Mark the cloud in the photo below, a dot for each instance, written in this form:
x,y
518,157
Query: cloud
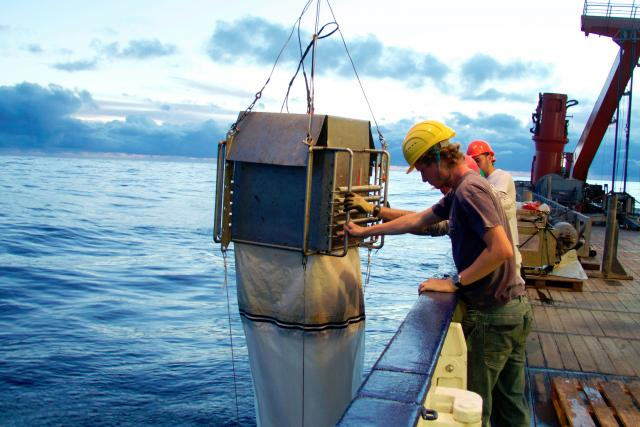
x,y
492,94
36,118
34,48
42,119
157,111
254,39
143,49
509,138
72,66
251,37
481,68
215,89
135,49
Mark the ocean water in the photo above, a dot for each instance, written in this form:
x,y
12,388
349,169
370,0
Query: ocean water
x,y
113,304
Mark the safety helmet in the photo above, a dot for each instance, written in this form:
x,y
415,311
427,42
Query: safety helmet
x,y
478,147
421,138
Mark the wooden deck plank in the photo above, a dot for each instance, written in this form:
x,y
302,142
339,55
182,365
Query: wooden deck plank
x,y
558,297
541,319
621,403
532,294
605,288
623,325
591,323
596,285
568,356
636,319
535,357
585,300
569,404
636,346
634,390
585,358
619,302
550,351
599,355
604,414
617,358
634,326
631,356
574,322
603,322
569,299
553,314
631,302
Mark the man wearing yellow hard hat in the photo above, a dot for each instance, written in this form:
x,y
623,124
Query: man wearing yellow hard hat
x,y
498,315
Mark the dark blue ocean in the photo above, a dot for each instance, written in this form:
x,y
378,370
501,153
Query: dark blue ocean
x,y
113,305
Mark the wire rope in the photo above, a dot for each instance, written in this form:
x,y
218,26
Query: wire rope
x,y
383,142
258,94
233,363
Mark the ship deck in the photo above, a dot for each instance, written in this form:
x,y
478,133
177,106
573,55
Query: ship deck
x,y
583,354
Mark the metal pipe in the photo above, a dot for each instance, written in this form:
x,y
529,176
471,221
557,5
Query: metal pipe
x,y
217,221
359,188
355,220
307,201
608,253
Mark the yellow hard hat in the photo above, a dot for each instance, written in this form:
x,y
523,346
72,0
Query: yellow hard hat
x,y
421,137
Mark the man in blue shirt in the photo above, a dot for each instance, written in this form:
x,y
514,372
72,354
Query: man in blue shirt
x,y
498,315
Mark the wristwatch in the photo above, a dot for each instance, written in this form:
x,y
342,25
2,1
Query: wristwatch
x,y
456,281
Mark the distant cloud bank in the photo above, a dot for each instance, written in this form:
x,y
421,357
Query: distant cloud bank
x,y
36,118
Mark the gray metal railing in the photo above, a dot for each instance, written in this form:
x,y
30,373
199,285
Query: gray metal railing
x,y
608,9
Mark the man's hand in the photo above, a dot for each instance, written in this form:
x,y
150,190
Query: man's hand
x,y
355,230
355,201
437,285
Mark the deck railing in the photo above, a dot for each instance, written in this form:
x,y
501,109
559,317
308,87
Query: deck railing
x,y
609,9
394,391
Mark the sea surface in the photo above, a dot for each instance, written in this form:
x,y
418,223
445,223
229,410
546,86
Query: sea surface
x,y
116,307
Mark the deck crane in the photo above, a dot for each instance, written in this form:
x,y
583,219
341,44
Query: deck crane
x,y
562,175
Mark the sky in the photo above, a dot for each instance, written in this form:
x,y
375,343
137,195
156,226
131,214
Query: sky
x,y
170,77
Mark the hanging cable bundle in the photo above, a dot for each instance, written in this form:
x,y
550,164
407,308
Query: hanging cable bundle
x,y
319,33
278,199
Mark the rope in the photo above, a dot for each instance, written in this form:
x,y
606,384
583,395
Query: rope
x,y
304,316
317,36
617,129
383,142
233,363
310,88
234,127
627,127
366,282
